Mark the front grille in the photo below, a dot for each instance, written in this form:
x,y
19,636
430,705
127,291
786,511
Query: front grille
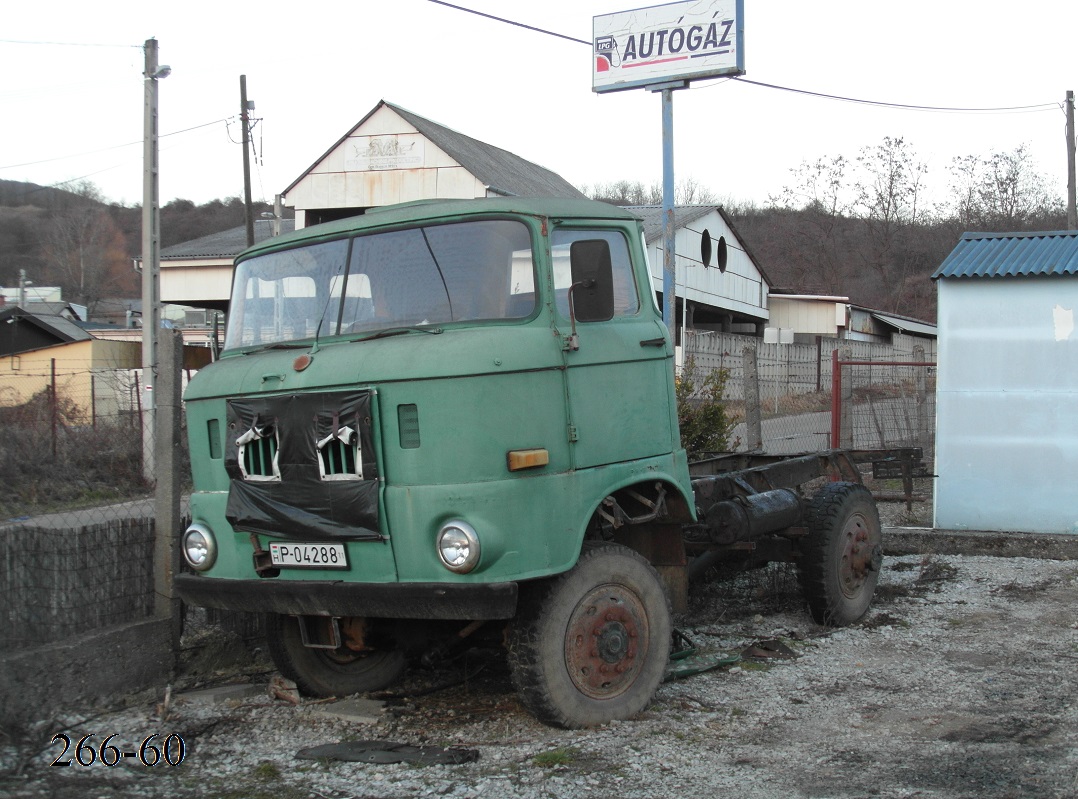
x,y
258,454
339,456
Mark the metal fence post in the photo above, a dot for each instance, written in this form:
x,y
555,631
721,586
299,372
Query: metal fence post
x,y
751,391
167,493
846,422
923,434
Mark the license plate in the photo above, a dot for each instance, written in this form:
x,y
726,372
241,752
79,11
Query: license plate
x,y
290,555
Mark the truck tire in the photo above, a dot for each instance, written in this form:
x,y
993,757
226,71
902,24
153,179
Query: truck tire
x,y
329,672
591,645
842,554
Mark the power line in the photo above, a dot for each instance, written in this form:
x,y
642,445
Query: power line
x,y
69,44
905,106
511,22
113,147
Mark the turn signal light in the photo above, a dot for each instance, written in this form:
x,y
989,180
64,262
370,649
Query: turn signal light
x,y
527,459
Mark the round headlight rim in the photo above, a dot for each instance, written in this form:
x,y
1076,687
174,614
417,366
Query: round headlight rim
x,y
211,546
474,552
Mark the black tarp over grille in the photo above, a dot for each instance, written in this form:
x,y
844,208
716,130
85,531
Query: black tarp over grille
x,y
301,505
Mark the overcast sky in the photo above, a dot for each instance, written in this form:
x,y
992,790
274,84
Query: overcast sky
x,y
72,94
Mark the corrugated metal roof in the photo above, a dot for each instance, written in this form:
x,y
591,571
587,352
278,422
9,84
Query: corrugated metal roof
x,y
1012,255
64,329
227,243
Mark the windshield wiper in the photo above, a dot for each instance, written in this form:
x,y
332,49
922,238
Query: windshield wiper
x,y
279,345
398,331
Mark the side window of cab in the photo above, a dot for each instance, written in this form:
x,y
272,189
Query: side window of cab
x,y
626,299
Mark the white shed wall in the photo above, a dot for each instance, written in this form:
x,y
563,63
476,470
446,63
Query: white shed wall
x,y
1007,405
812,317
740,288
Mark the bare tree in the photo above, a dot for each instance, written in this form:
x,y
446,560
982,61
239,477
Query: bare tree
x,y
889,203
818,245
84,251
688,191
1001,192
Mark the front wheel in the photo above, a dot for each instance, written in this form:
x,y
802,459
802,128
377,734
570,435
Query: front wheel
x,y
591,645
842,554
353,668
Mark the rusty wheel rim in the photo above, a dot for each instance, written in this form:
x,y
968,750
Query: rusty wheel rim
x,y
605,641
858,554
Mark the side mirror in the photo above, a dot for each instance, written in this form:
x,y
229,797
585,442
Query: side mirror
x,y
591,297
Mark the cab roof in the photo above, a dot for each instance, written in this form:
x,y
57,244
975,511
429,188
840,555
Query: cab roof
x,y
429,210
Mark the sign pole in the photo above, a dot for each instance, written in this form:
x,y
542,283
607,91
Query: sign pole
x,y
669,281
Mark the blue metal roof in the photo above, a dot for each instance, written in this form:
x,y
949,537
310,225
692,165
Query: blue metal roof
x,y
1012,255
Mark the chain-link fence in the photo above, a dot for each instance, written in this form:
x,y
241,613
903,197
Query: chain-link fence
x,y
880,404
77,505
788,387
71,437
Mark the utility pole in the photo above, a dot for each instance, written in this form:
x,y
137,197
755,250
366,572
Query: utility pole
x,y
151,256
245,121
1072,217
23,283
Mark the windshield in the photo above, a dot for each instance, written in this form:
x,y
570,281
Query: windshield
x,y
421,276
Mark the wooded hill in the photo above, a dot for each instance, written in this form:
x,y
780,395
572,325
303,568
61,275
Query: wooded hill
x,y
86,245
865,227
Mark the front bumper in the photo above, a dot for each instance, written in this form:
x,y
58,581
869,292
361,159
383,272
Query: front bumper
x,y
337,598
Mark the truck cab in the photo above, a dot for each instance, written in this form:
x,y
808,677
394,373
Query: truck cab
x,y
444,415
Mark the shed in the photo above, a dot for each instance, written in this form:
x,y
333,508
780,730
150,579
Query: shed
x,y
23,330
1007,390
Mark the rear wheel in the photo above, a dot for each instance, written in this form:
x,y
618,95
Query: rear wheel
x,y
592,645
842,554
352,668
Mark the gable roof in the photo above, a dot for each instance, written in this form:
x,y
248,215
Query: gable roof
x,y
226,243
1012,255
652,217
63,329
501,171
34,331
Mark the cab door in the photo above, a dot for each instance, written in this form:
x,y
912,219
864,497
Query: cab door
x,y
619,370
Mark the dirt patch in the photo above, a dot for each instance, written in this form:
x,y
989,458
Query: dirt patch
x,y
959,682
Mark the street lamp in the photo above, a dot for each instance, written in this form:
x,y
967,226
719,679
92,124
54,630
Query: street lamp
x,y
151,258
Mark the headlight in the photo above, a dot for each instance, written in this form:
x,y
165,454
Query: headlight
x,y
199,547
458,547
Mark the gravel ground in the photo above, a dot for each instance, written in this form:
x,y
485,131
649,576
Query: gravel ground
x,y
959,682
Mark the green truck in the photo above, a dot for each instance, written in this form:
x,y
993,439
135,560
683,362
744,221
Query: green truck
x,y
451,419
